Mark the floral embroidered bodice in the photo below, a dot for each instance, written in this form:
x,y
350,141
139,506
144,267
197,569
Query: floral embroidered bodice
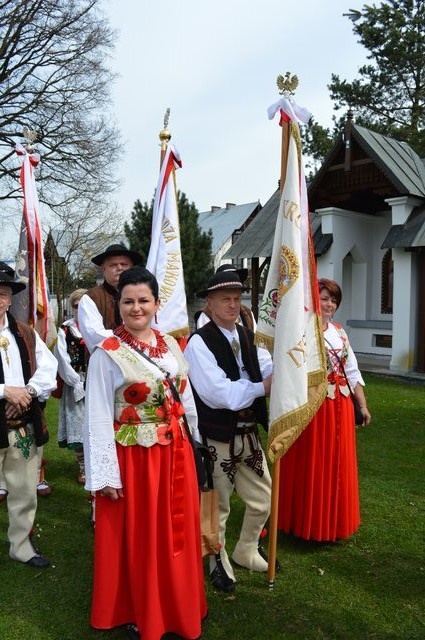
x,y
144,406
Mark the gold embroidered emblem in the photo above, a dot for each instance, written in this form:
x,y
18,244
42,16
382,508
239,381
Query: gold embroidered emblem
x,y
289,270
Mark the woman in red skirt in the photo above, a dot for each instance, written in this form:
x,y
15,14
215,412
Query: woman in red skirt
x,y
148,571
319,493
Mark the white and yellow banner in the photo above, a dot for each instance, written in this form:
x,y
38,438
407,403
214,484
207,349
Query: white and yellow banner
x,y
164,259
289,317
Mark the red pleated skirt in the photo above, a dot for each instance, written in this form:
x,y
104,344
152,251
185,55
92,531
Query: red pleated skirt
x,y
148,567
318,488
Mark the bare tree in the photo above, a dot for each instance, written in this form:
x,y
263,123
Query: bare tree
x,y
54,79
72,243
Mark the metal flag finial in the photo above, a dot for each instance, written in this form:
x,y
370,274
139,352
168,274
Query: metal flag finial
x,y
165,135
166,117
287,84
30,136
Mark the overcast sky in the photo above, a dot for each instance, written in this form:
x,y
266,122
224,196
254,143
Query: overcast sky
x,y
214,64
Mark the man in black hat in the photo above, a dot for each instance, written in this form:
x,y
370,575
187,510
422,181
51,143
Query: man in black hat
x,y
27,376
246,317
230,378
43,487
97,311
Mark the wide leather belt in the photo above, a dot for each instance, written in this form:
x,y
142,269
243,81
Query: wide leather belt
x,y
242,429
18,423
246,415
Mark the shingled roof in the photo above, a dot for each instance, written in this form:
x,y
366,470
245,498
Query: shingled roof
x,y
223,222
378,168
257,240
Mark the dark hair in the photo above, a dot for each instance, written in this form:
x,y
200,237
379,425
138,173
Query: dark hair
x,y
333,288
138,275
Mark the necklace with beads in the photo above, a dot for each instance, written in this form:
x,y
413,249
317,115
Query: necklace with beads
x,y
152,351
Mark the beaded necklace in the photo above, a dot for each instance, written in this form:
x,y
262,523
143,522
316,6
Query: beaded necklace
x,y
153,351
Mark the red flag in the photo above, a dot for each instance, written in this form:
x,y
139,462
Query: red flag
x,y
32,304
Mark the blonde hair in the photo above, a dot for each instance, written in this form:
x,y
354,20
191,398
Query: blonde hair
x,y
76,295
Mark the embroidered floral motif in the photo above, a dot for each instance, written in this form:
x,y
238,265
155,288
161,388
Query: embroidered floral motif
x,y
111,344
24,441
229,467
255,462
183,385
129,415
146,434
137,393
126,435
144,411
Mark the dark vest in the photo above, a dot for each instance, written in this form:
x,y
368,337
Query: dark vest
x,y
25,339
105,297
220,424
76,349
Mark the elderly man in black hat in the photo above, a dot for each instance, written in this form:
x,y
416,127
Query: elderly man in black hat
x,y
27,376
97,311
246,317
230,378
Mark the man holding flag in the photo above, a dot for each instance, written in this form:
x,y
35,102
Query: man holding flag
x,y
27,377
230,378
32,305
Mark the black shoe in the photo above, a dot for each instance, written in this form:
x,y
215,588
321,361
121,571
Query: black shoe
x,y
263,554
132,632
38,561
220,579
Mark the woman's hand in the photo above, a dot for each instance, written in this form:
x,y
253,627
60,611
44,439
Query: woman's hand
x,y
359,393
366,416
110,492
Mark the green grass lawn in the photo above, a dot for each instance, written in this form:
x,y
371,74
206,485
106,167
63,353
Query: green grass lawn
x,y
369,587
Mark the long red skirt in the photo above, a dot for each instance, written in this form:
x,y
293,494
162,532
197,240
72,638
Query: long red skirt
x,y
140,575
318,489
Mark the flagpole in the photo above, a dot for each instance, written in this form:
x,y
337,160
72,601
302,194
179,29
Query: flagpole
x,y
164,258
286,86
164,136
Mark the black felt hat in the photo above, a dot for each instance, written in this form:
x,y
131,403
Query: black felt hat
x,y
227,279
7,280
117,250
242,273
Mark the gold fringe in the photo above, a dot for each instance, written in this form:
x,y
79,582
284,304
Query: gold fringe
x,y
264,341
179,333
284,431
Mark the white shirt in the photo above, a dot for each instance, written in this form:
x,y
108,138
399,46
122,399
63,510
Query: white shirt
x,y
44,378
211,383
90,322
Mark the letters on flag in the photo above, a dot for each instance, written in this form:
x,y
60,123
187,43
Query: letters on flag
x,y
289,318
32,304
164,259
